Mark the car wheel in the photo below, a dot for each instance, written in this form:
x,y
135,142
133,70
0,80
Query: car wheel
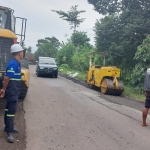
x,y
38,74
56,75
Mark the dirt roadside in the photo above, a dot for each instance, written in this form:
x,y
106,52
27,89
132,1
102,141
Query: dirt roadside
x,y
19,143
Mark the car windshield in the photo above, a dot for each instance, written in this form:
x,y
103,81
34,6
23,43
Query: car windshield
x,y
47,61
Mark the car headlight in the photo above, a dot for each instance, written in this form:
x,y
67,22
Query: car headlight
x,y
41,67
55,68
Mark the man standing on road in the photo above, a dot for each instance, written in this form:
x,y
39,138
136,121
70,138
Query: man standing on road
x,y
147,94
11,89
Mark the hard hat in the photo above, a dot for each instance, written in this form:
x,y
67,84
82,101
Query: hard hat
x,y
16,48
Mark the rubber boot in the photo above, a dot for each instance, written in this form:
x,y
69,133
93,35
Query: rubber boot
x,y
10,138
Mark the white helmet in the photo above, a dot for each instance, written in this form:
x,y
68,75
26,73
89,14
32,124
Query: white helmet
x,y
16,48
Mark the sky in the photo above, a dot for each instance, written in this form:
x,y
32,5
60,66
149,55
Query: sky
x,y
42,22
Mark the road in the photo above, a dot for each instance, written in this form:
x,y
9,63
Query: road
x,y
63,115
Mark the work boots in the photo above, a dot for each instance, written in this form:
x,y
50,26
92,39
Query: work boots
x,y
10,138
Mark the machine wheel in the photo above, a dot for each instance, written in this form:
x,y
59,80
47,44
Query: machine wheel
x,y
103,87
23,93
107,87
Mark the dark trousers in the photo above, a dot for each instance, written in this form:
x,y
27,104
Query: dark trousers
x,y
10,110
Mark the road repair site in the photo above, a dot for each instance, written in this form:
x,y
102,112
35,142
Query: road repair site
x,y
60,114
44,109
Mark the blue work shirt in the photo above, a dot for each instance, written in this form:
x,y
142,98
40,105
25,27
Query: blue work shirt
x,y
13,70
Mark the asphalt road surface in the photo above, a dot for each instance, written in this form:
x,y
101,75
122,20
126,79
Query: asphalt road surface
x,y
63,115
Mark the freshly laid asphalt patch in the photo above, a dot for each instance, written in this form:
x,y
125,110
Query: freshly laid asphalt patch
x,y
132,103
19,143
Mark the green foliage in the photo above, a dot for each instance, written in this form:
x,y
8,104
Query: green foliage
x,y
142,56
131,92
46,50
114,6
65,54
80,60
64,66
76,52
55,42
29,49
47,47
71,16
121,31
79,38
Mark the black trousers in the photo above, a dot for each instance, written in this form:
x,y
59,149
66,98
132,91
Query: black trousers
x,y
10,110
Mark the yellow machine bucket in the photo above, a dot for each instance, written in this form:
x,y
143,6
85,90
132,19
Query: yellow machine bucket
x,y
25,77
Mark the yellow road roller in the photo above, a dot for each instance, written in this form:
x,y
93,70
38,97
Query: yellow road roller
x,y
105,77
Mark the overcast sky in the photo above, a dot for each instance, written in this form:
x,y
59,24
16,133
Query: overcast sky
x,y
42,22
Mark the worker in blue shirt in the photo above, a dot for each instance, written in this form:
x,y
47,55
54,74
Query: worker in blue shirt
x,y
11,89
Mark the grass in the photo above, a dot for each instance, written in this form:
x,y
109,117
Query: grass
x,y
128,91
131,93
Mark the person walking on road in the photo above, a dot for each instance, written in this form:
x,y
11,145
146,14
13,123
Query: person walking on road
x,y
147,94
11,89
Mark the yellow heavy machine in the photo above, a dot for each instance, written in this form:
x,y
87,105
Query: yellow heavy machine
x,y
8,37
106,78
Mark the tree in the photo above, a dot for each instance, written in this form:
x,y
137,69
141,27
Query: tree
x,y
109,38
65,54
122,30
29,49
71,16
114,6
143,62
41,42
55,42
79,38
80,60
45,49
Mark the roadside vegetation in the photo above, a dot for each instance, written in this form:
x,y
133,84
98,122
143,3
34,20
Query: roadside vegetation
x,y
123,34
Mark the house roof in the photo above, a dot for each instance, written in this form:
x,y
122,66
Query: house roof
x,y
30,56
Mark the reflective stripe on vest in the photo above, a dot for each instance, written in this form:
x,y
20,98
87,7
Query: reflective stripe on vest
x,y
13,79
10,115
17,74
10,71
